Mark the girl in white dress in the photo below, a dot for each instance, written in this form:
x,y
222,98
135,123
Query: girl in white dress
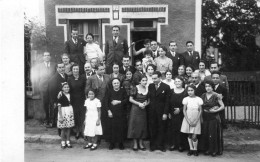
x,y
92,120
191,121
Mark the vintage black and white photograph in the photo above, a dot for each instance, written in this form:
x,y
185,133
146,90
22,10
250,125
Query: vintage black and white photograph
x,y
139,80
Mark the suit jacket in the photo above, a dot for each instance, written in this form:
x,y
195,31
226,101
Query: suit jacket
x,y
76,51
87,76
64,101
223,81
100,86
159,99
54,85
177,60
200,89
44,74
122,71
222,90
193,60
115,53
137,77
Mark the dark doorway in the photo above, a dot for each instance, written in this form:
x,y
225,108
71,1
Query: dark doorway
x,y
139,37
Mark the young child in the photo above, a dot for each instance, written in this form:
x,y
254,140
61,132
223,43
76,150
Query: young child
x,y
92,120
148,59
191,121
65,116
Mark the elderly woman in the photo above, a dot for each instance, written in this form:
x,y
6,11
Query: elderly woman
x,y
162,62
66,61
77,87
115,100
150,69
176,138
211,140
137,129
203,72
92,50
116,73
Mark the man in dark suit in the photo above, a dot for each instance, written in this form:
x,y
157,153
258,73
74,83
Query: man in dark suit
x,y
196,81
126,65
223,78
75,49
44,72
54,87
176,58
88,71
191,57
138,73
154,48
115,49
159,94
99,82
215,75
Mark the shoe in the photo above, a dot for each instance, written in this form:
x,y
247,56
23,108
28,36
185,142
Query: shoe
x,y
181,149
195,153
163,149
152,148
94,147
63,144
172,148
214,154
220,153
77,136
111,146
68,145
206,153
141,148
135,149
89,145
121,146
190,153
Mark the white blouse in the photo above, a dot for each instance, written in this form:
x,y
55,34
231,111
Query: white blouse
x,y
93,51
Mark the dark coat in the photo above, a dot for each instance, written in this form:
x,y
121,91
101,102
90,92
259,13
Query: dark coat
x,y
115,53
177,60
222,90
200,89
193,60
76,51
55,86
223,80
63,100
159,99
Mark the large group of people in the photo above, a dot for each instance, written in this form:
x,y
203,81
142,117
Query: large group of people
x,y
168,98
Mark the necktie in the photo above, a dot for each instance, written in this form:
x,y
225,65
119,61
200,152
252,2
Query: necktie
x,y
190,53
156,87
114,41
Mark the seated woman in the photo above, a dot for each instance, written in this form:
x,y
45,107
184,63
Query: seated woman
x,y
202,70
115,100
211,140
168,79
92,50
66,61
137,129
189,71
162,62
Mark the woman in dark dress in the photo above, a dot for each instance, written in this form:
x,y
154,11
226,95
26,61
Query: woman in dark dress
x,y
211,140
137,129
181,73
176,138
115,101
77,87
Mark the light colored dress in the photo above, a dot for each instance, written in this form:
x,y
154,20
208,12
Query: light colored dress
x,y
93,51
68,116
91,129
163,64
203,74
193,104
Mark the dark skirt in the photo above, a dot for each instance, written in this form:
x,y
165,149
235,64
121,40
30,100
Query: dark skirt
x,y
117,129
79,113
211,138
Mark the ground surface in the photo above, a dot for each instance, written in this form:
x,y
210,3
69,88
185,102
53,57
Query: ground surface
x,y
37,152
